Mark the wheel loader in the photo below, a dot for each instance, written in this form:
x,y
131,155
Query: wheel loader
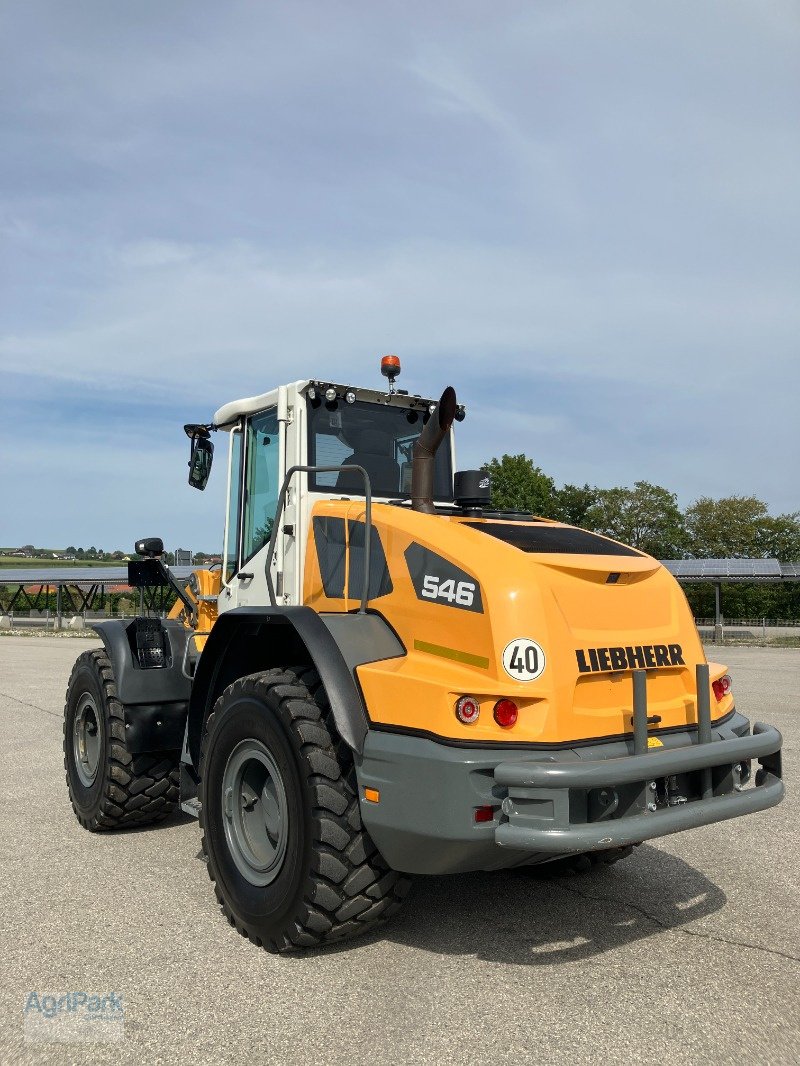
x,y
388,677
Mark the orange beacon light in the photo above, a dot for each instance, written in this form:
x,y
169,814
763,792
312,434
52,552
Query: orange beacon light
x,y
390,368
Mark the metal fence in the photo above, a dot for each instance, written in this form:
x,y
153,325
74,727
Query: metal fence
x,y
750,630
48,620
734,630
749,623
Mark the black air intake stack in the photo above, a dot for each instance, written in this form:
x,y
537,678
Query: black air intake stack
x,y
422,465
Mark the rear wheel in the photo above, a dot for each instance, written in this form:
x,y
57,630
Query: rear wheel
x,y
110,787
292,865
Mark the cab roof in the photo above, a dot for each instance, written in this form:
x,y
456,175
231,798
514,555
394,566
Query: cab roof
x,y
229,414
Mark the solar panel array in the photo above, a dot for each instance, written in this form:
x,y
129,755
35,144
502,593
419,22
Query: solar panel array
x,y
78,575
729,569
682,569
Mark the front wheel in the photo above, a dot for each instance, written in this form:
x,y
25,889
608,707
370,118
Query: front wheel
x,y
109,786
292,865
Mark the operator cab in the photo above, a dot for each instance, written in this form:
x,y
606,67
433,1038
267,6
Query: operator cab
x,y
319,424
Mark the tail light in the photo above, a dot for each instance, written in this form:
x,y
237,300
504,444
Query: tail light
x,y
505,713
467,709
484,814
722,687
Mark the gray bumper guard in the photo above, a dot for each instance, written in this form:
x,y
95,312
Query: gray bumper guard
x,y
594,804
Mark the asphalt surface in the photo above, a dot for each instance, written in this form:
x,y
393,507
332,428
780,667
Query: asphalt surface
x,y
686,952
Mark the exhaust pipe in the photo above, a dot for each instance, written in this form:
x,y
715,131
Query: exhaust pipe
x,y
422,462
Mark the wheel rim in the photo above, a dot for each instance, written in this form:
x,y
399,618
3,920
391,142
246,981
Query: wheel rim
x,y
86,739
255,812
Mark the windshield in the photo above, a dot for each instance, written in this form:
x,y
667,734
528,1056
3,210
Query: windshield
x,y
378,437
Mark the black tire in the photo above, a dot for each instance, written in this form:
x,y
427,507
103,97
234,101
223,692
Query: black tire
x,y
113,788
320,877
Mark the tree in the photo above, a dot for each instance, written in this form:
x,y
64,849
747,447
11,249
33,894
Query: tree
x,y
728,528
572,503
779,538
70,550
519,485
647,517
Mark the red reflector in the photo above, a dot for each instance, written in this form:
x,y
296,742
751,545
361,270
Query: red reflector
x,y
722,687
484,814
505,713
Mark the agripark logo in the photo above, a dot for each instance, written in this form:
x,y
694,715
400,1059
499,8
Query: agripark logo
x,y
74,1018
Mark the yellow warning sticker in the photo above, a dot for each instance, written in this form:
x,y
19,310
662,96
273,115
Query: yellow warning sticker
x,y
654,742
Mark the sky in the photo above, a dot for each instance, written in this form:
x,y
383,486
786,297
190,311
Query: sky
x,y
583,214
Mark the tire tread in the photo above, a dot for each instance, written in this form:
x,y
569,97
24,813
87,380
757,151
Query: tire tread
x,y
348,888
138,790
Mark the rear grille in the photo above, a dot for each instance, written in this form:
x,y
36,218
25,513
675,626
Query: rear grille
x,y
552,539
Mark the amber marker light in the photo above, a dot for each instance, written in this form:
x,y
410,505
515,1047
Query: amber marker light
x,y
372,794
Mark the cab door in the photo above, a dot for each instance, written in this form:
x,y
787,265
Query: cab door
x,y
256,463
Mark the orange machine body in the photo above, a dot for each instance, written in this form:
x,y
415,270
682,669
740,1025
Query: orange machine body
x,y
594,617
203,589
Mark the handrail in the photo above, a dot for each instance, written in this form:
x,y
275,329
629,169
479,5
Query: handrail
x,y
279,511
185,660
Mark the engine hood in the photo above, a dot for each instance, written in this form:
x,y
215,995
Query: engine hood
x,y
554,617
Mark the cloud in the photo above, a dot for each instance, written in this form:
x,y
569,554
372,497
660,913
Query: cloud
x,y
237,313
584,215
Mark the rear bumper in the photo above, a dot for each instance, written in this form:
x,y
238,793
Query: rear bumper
x,y
549,801
569,807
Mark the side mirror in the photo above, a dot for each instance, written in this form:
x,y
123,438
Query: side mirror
x,y
200,460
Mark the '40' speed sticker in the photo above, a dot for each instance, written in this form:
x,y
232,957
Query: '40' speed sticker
x,y
524,659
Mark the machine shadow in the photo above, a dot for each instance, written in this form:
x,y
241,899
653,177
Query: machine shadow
x,y
172,821
523,917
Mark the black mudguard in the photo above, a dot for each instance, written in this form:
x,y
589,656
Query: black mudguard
x,y
248,639
155,702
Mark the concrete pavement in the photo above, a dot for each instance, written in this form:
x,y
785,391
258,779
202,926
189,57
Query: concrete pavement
x,y
687,951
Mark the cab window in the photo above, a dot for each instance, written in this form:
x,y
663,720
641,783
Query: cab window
x,y
234,494
261,481
377,437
